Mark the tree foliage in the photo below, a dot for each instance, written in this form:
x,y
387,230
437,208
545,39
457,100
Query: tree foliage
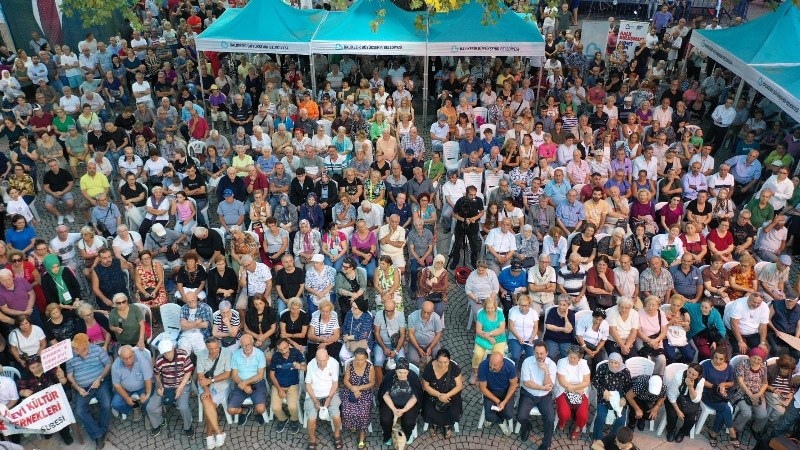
x,y
99,12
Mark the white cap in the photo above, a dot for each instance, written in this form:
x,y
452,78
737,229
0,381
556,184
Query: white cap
x,y
159,230
318,258
655,384
165,346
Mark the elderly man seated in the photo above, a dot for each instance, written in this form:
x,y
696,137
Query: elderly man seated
x,y
196,321
425,329
501,246
497,380
173,374
746,320
131,376
773,280
322,386
248,368
213,380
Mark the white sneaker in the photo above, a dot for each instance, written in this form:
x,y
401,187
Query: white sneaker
x,y
61,220
70,218
220,439
505,429
211,443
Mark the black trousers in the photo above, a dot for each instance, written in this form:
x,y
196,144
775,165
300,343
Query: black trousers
x,y
689,410
474,238
407,421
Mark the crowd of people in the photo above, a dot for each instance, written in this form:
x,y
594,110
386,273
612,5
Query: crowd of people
x,y
591,228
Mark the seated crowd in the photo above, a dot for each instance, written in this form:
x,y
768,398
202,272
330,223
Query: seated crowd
x,y
606,259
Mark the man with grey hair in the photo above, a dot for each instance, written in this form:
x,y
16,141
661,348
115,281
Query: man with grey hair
x,y
501,245
63,245
219,141
542,284
240,115
132,379
207,243
255,279
393,240
18,298
106,217
163,243
371,213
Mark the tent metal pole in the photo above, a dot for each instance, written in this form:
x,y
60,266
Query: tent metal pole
x,y
425,90
313,77
739,91
203,97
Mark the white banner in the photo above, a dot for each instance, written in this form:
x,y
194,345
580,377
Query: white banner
x,y
55,355
594,37
244,46
45,412
630,33
368,48
485,49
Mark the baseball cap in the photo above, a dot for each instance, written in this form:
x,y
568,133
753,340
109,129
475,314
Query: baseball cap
x,y
786,260
318,258
159,230
72,127
442,117
777,163
227,193
516,266
165,346
628,99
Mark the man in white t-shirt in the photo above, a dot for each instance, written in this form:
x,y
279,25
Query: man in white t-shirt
x,y
142,91
746,320
255,279
720,180
371,213
64,246
453,190
393,239
322,386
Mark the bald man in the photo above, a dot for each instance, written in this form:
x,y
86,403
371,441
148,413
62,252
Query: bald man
x,y
497,379
425,329
248,366
322,385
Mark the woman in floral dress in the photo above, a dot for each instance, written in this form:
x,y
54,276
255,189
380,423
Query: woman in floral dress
x,y
356,396
150,281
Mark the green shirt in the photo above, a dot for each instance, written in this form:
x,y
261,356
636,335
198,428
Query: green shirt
x,y
77,144
129,325
433,169
63,127
786,159
759,216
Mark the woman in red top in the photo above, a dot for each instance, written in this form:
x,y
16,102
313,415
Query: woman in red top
x,y
720,241
694,243
22,268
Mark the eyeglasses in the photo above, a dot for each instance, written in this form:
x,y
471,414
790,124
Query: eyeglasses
x,y
16,260
121,302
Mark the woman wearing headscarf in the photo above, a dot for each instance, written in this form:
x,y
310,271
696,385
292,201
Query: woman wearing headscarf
x,y
286,215
10,88
307,243
611,382
432,285
60,286
400,397
311,212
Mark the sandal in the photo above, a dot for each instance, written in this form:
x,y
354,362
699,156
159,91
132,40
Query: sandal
x,y
312,446
735,442
361,444
434,430
575,434
337,443
448,433
712,441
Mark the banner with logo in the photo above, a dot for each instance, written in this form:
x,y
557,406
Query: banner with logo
x,y
594,37
45,412
485,49
630,33
245,46
368,48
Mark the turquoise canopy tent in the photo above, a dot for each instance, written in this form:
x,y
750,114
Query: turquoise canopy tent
x,y
263,26
351,31
506,35
762,53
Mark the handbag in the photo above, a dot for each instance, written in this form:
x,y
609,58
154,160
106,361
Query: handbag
x,y
439,405
574,398
715,396
676,336
394,339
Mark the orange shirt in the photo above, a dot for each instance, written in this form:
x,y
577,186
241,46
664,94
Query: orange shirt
x,y
312,108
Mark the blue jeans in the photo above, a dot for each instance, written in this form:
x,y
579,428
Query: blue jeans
x,y
557,350
119,405
687,352
370,266
336,265
600,420
723,415
414,266
517,349
95,428
311,307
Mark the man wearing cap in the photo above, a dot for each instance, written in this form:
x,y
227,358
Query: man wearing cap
x,y
230,211
513,281
163,243
746,320
87,373
645,398
439,133
173,373
784,317
131,375
773,280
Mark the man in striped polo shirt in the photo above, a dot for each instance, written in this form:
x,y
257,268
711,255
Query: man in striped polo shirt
x,y
87,373
173,372
572,281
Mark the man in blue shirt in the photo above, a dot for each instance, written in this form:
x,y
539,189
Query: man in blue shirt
x,y
510,279
570,214
746,169
470,143
497,379
247,373
557,188
87,372
285,367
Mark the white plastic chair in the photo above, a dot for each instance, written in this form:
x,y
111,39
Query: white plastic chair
x,y
474,179
669,379
224,405
482,112
578,187
640,366
11,372
581,314
148,317
491,182
705,411
415,431
660,205
326,124
221,232
171,321
203,211
456,426
450,153
196,148
248,402
489,125
730,265
760,266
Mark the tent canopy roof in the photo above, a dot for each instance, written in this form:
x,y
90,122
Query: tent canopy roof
x,y
351,31
263,26
507,35
769,39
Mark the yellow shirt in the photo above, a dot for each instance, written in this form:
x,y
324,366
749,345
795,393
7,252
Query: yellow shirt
x,y
594,212
94,185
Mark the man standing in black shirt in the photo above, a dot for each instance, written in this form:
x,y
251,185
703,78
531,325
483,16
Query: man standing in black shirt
x,y
289,282
467,213
194,184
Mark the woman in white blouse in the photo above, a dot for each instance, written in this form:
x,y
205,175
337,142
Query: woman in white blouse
x,y
684,391
523,327
591,332
781,186
570,391
623,327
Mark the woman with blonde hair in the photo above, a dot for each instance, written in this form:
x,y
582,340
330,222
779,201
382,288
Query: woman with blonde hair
x,y
490,334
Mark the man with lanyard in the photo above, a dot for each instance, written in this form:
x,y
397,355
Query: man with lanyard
x,y
467,212
497,379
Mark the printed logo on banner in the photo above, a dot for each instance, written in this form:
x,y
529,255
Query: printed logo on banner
x,y
484,48
454,49
224,44
785,101
338,46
